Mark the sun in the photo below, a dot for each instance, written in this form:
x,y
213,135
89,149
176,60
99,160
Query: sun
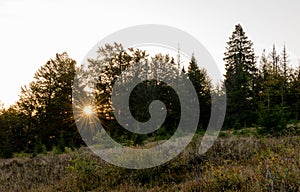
x,y
88,110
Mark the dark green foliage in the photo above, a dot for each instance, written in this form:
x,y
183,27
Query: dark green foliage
x,y
293,96
161,134
202,85
39,148
85,172
114,59
274,121
43,117
268,97
52,91
6,149
240,80
277,96
13,133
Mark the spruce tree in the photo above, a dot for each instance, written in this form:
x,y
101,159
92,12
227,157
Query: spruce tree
x,y
202,84
294,96
240,80
285,62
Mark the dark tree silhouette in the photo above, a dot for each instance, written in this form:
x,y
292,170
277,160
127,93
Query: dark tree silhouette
x,y
240,80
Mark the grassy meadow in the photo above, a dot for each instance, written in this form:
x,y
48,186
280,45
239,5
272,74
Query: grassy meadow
x,y
237,162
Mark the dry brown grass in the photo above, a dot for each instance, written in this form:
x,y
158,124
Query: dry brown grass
x,y
232,164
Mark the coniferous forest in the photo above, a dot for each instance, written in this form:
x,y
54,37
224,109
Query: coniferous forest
x,y
257,149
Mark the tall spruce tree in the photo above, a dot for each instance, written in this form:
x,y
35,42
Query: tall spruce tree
x,y
240,80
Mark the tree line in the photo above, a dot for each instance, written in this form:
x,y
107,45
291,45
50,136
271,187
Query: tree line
x,y
261,91
42,119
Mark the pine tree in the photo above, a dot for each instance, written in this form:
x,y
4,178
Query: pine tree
x,y
183,70
264,66
285,61
265,74
273,88
274,59
202,84
294,96
240,80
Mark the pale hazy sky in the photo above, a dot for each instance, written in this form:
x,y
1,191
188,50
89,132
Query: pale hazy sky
x,y
31,31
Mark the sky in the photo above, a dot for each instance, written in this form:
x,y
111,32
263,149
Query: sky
x,y
33,31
